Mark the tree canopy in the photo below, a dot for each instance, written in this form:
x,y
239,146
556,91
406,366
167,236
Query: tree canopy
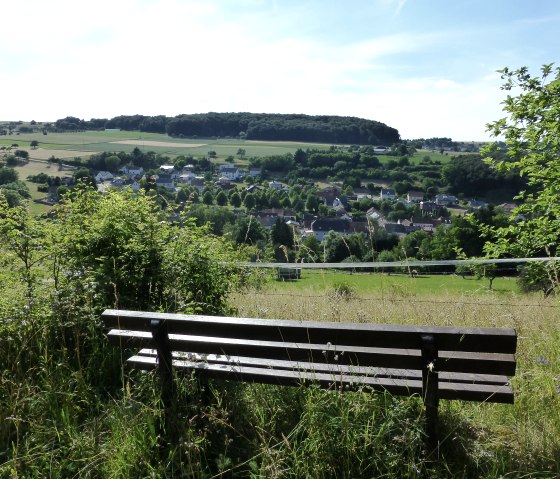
x,y
532,136
251,126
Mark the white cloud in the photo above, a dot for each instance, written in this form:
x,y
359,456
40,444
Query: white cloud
x,y
106,58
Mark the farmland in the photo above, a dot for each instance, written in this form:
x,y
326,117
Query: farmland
x,y
86,143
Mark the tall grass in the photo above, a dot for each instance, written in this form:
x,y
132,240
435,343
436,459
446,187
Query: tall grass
x,y
69,408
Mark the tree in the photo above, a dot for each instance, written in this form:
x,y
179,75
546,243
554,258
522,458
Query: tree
x,y
281,235
8,175
337,247
249,201
112,162
248,230
221,198
235,200
312,203
310,251
34,144
208,198
532,137
241,152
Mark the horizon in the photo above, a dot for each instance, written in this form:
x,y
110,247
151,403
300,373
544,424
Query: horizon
x,y
426,68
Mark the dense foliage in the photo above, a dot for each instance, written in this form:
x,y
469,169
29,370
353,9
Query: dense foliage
x,y
532,136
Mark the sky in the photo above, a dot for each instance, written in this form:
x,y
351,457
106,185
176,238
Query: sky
x,y
425,67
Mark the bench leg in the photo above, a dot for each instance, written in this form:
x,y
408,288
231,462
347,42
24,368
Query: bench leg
x,y
430,394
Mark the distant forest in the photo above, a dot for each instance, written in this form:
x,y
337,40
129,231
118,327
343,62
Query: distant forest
x,y
250,126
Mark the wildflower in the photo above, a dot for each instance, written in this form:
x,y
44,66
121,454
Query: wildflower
x,y
558,387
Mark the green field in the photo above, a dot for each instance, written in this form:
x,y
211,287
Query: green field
x,y
90,142
319,281
98,141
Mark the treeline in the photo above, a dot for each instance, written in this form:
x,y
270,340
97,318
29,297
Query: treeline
x,y
251,126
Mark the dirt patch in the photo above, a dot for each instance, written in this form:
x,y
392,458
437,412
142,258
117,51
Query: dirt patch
x,y
45,154
165,144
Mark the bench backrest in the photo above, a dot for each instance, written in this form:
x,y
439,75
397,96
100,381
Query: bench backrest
x,y
463,350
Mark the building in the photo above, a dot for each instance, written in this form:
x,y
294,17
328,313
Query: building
x,y
415,196
166,181
321,227
103,176
446,200
230,172
387,194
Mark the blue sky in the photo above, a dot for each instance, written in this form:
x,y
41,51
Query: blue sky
x,y
425,67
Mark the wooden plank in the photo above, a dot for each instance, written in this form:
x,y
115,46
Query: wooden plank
x,y
481,363
501,340
330,368
400,387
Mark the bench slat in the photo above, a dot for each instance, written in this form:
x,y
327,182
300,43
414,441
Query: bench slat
x,y
331,368
397,386
498,340
483,363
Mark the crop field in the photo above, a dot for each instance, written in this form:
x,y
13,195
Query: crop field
x,y
85,143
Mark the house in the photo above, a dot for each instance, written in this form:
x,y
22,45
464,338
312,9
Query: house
x,y
166,181
188,168
133,184
373,214
320,227
387,194
275,185
329,194
252,188
380,150
103,176
420,223
198,183
477,204
415,196
445,200
255,171
231,172
118,182
132,172
186,177
428,207
167,169
360,224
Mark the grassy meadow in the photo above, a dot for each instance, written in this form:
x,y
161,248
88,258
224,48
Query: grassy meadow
x,y
73,409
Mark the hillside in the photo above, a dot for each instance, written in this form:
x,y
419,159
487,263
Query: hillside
x,y
250,126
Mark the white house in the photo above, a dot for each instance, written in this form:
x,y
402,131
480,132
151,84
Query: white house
x,y
275,185
230,172
133,172
103,176
186,177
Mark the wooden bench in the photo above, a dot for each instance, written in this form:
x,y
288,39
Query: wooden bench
x,y
471,364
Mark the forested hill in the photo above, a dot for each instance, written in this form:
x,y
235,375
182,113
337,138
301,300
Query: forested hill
x,y
251,126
